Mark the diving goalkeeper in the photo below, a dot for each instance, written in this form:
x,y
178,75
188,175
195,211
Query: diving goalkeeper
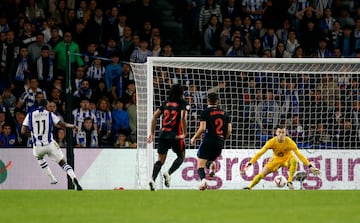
x,y
283,148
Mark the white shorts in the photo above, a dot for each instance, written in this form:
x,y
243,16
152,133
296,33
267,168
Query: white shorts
x,y
52,149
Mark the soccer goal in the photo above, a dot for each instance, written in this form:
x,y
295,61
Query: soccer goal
x,y
318,100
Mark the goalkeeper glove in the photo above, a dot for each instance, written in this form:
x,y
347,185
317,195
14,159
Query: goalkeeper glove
x,y
314,170
247,165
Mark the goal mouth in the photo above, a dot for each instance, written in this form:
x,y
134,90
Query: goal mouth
x,y
305,94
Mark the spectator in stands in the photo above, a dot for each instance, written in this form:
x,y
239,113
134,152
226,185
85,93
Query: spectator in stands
x,y
330,92
258,31
119,26
211,35
323,51
111,48
306,15
257,49
70,20
55,37
39,96
280,51
9,101
85,90
254,9
60,51
97,29
167,50
347,42
89,54
246,27
238,49
60,13
82,12
96,71
292,42
22,70
2,120
326,23
45,68
34,11
283,32
9,49
19,118
87,136
120,118
126,43
113,70
27,99
296,129
79,76
357,33
210,8
299,52
270,39
346,134
267,115
140,54
337,53
104,120
82,112
344,17
79,35
156,46
319,137
131,108
335,35
7,138
309,39
122,142
60,138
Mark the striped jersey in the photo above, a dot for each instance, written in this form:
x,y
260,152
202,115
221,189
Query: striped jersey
x,y
40,123
28,97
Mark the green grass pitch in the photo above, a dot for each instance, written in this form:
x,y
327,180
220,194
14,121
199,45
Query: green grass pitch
x,y
179,206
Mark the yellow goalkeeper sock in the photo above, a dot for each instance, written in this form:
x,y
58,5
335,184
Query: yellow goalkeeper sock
x,y
256,180
292,168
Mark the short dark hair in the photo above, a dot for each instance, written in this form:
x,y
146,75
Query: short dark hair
x,y
213,98
42,102
280,126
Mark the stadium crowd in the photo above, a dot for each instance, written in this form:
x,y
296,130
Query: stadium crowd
x,y
104,36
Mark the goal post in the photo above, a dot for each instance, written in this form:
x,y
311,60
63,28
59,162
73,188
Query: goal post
x,y
315,98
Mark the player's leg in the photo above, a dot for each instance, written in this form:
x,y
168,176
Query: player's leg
x,y
293,164
57,155
259,177
39,153
203,154
178,148
162,153
271,166
201,173
211,165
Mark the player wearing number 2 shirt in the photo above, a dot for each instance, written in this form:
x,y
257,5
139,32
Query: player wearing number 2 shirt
x,y
216,126
172,134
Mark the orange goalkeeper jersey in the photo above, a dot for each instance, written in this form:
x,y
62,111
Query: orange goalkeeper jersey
x,y
281,150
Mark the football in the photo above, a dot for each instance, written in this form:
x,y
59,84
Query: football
x,y
280,181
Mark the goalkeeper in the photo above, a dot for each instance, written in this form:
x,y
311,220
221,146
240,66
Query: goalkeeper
x,y
283,148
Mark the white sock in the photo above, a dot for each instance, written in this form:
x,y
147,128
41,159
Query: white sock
x,y
45,167
69,171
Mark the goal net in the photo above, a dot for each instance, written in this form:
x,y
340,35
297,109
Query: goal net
x,y
317,100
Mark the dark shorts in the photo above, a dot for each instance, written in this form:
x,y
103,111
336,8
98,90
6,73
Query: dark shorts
x,y
178,146
210,149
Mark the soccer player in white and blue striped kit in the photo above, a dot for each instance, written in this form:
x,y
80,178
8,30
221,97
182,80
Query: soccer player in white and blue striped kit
x,y
40,123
